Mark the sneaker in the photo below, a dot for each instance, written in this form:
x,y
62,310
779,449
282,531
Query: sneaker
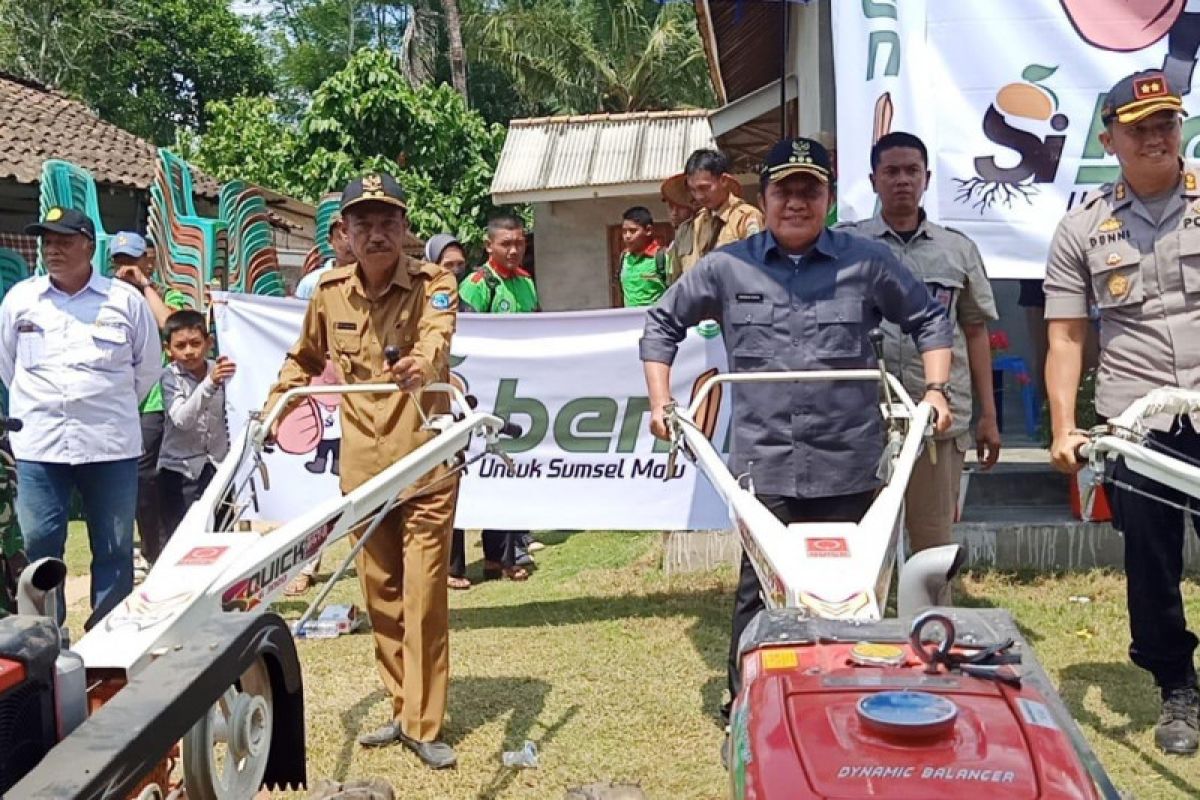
x,y
1178,728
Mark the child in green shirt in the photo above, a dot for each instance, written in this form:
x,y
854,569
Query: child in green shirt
x,y
644,262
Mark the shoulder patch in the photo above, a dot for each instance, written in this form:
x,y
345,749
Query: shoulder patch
x,y
440,301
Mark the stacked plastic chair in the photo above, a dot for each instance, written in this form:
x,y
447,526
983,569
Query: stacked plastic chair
x,y
192,248
253,263
13,269
322,249
67,185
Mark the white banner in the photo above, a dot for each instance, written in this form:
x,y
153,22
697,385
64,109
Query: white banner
x,y
1006,96
572,381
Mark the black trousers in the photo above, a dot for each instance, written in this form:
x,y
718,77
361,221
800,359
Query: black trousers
x,y
1153,533
178,492
149,508
458,554
501,546
747,602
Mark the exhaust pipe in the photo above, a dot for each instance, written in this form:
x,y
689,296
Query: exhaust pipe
x,y
925,579
37,589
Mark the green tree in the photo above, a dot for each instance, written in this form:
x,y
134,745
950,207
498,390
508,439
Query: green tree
x,y
365,117
149,66
589,56
247,138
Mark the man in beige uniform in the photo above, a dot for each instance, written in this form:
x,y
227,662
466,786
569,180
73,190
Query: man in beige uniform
x,y
949,264
724,217
680,211
388,299
1133,249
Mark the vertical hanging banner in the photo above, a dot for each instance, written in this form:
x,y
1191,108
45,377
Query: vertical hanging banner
x,y
573,383
1007,97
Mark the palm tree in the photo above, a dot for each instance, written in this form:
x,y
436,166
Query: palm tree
x,y
594,56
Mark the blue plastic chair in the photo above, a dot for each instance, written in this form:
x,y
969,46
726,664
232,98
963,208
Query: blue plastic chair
x,y
1003,365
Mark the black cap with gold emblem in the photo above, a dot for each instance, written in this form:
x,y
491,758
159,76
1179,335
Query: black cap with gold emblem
x,y
790,156
1139,95
374,187
63,220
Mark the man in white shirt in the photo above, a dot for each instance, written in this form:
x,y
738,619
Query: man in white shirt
x,y
342,256
78,352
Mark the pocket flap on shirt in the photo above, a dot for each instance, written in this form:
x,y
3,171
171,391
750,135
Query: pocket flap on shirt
x,y
109,334
347,337
1102,261
839,309
752,312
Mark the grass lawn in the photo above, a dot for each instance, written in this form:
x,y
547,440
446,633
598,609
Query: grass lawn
x,y
617,673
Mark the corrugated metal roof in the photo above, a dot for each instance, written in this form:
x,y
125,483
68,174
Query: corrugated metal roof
x,y
588,156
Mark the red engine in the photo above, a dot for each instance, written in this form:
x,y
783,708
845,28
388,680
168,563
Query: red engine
x,y
821,715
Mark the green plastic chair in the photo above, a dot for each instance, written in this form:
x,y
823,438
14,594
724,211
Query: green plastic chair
x,y
13,270
253,263
178,190
68,185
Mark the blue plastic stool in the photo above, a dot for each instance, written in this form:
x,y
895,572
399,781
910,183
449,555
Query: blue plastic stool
x,y
1017,366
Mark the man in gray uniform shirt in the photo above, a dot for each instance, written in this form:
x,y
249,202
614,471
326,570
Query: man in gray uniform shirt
x,y
799,297
1133,249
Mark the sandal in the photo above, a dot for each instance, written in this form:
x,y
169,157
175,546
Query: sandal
x,y
457,582
494,570
299,585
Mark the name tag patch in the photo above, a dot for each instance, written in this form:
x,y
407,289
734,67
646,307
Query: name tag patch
x,y
745,297
345,326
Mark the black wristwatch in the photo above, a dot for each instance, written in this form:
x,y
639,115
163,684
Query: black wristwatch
x,y
944,388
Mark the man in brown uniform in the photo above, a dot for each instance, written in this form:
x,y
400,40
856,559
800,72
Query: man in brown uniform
x,y
724,217
388,299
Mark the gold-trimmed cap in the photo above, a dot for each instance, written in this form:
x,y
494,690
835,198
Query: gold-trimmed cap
x,y
374,187
792,156
1139,95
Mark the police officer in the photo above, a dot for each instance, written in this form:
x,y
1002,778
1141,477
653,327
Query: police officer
x,y
952,269
1133,249
723,216
799,297
389,299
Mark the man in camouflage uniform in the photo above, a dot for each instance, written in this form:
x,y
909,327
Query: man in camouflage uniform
x,y
12,545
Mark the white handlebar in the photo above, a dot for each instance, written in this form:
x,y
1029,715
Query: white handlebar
x,y
267,423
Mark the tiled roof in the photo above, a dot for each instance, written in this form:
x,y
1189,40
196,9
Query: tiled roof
x,y
40,123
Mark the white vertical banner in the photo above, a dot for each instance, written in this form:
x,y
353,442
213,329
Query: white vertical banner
x,y
573,383
1006,96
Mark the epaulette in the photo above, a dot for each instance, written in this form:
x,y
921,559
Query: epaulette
x,y
428,268
336,275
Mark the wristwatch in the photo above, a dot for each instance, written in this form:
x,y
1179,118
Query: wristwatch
x,y
944,388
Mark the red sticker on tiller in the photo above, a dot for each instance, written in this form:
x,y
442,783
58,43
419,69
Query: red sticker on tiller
x,y
832,547
202,556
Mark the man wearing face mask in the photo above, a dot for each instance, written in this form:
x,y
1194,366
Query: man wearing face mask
x,y
799,297
1133,249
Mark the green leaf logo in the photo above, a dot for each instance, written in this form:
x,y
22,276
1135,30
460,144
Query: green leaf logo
x,y
1036,72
